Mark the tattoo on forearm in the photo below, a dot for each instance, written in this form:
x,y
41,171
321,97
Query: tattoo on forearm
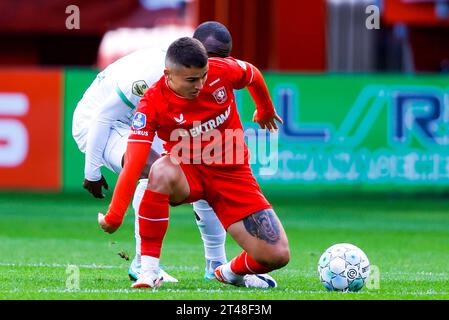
x,y
263,225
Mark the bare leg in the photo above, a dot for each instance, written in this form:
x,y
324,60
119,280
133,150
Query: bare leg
x,y
263,238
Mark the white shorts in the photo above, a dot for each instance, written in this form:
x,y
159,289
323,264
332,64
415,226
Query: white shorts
x,y
116,146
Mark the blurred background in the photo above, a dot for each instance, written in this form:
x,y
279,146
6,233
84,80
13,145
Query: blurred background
x,y
362,85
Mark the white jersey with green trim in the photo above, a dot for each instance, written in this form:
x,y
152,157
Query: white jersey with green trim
x,y
113,97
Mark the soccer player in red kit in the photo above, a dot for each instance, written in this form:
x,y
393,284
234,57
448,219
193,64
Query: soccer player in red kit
x,y
192,107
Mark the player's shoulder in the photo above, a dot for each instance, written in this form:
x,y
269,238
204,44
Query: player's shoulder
x,y
140,64
227,67
226,63
154,96
154,91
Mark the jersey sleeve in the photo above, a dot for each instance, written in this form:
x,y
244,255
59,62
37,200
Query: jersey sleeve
x,y
110,111
145,122
143,130
243,74
130,92
145,69
239,72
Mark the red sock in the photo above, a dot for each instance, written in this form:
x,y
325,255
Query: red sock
x,y
153,222
244,264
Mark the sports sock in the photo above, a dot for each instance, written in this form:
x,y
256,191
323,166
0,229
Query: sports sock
x,y
245,264
138,195
153,222
150,264
212,233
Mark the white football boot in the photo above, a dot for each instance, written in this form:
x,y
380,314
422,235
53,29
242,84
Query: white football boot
x,y
262,281
211,265
149,279
134,273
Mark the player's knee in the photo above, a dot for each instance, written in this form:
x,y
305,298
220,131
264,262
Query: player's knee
x,y
158,177
277,258
161,176
282,257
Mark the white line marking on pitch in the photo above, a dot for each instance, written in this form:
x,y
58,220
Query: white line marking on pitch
x,y
89,266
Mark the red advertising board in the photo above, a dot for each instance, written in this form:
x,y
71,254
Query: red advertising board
x,y
30,129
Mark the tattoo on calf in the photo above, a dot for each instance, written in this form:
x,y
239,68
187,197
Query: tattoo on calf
x,y
263,225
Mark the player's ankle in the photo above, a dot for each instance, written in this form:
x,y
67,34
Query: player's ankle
x,y
229,275
212,264
149,264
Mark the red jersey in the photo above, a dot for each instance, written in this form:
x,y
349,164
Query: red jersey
x,y
208,126
206,130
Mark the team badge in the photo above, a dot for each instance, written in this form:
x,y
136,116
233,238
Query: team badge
x,y
139,121
220,95
139,88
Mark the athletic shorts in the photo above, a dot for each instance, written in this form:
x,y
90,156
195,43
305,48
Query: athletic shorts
x,y
232,191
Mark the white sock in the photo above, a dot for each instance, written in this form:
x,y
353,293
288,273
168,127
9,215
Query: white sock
x,y
149,264
138,195
212,232
229,275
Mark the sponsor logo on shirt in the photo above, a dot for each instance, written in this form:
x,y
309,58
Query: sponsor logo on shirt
x,y
220,95
139,121
210,124
139,88
180,120
140,133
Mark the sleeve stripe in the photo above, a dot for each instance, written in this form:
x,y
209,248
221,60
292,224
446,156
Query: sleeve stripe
x,y
124,98
135,140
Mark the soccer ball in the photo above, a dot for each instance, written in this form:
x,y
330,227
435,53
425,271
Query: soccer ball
x,y
343,267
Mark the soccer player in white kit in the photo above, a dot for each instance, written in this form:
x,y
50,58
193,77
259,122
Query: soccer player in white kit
x,y
101,126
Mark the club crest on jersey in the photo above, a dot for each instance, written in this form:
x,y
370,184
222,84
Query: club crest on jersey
x,y
139,88
220,95
139,121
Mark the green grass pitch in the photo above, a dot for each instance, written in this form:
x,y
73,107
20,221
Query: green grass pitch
x,y
40,235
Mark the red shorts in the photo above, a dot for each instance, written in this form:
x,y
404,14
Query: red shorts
x,y
232,191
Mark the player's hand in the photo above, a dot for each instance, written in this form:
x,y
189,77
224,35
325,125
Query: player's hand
x,y
94,187
268,123
106,228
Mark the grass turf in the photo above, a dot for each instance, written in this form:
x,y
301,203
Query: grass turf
x,y
40,235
